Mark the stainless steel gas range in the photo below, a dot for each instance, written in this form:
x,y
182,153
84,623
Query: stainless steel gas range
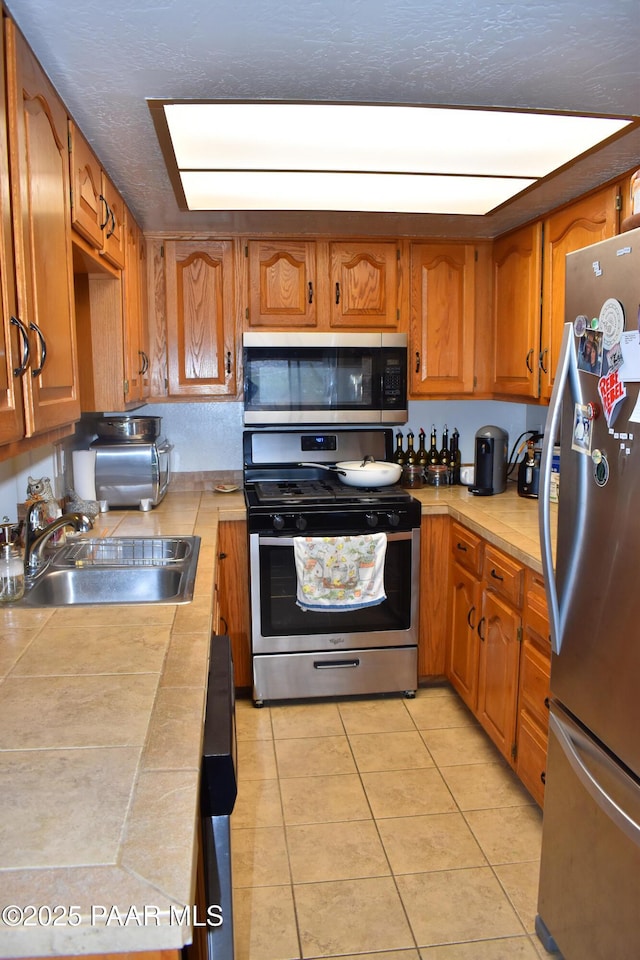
x,y
304,522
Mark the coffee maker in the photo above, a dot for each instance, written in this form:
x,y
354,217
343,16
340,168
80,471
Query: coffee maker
x,y
490,461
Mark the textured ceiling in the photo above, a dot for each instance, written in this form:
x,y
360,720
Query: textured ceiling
x,y
106,57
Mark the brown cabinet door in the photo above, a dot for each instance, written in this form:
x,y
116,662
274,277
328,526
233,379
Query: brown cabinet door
x,y
201,349
40,193
13,342
88,206
136,358
114,229
589,220
517,280
462,666
282,283
233,584
498,671
364,285
441,359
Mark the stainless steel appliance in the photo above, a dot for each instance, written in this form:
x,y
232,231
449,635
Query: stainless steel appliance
x,y
321,378
590,867
490,461
308,653
218,791
132,473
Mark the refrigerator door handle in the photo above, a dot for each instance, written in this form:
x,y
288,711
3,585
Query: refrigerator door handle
x,y
575,746
566,373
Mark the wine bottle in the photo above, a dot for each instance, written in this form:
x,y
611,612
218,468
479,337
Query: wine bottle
x,y
444,452
410,459
399,455
422,455
454,458
434,456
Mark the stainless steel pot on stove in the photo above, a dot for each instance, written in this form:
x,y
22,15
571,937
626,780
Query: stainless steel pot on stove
x,y
129,428
365,473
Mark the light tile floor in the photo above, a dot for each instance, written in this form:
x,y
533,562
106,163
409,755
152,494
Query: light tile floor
x,y
383,829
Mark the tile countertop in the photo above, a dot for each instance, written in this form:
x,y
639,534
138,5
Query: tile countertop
x,y
101,716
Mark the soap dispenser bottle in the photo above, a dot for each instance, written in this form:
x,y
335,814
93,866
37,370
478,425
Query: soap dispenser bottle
x,y
11,565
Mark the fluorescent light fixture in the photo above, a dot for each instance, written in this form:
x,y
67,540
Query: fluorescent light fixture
x,y
406,159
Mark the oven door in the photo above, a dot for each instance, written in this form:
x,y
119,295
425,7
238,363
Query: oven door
x,y
279,625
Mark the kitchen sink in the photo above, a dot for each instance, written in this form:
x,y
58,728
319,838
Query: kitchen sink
x,y
117,570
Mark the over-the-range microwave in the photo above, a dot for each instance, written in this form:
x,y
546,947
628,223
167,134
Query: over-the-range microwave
x,y
320,378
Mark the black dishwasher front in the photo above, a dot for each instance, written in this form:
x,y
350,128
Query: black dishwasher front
x,y
218,790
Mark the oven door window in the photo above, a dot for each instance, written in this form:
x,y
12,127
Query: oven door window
x,y
281,616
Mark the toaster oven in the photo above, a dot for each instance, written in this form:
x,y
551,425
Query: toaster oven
x,y
132,473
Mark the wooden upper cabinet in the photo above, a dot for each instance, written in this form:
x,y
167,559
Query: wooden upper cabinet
x,y
39,160
364,285
11,342
585,222
323,285
517,283
201,343
97,209
441,358
136,350
282,283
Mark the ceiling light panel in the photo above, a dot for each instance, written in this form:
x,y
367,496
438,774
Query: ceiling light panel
x,y
390,193
470,160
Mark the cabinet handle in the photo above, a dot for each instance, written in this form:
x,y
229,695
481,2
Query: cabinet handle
x,y
461,546
417,361
145,363
543,776
480,624
543,353
26,349
310,298
107,213
471,610
546,702
222,556
495,575
43,349
112,228
337,293
528,360
225,625
228,361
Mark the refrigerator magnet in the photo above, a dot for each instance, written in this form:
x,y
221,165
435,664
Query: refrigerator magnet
x,y
581,436
580,325
611,322
590,353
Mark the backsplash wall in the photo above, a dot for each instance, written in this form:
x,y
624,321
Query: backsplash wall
x,y
208,436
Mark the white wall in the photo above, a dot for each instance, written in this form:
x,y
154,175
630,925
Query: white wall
x,y
208,436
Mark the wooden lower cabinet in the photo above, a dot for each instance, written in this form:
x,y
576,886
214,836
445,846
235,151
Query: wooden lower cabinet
x,y
499,653
434,591
233,592
498,661
534,690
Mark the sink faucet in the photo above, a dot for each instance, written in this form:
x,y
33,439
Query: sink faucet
x,y
36,539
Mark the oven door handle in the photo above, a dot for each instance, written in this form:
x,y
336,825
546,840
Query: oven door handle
x,y
335,664
288,541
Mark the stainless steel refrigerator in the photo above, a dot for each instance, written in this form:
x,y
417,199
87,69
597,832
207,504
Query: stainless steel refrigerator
x,y
589,895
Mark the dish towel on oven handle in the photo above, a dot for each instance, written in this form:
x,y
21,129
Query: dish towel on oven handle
x,y
340,573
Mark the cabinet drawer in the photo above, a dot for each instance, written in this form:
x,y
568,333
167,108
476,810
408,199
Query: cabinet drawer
x,y
535,669
504,575
532,757
466,548
537,616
